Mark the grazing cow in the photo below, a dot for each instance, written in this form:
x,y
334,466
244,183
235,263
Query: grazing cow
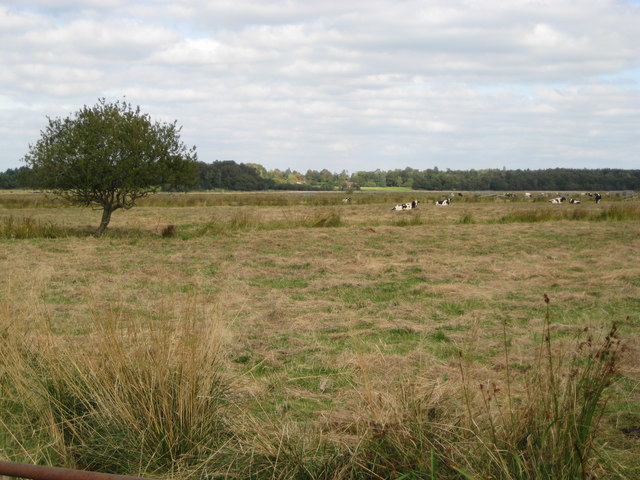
x,y
557,200
346,200
527,195
574,201
598,197
443,203
415,203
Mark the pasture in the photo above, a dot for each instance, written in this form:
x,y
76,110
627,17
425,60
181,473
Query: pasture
x,y
347,340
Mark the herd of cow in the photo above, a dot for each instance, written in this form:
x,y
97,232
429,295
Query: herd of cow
x,y
597,197
447,201
414,204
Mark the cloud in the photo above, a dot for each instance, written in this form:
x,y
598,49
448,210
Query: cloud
x,y
340,85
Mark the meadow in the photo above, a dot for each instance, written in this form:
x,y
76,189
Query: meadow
x,y
290,335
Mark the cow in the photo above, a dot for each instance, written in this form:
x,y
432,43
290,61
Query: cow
x,y
574,201
598,197
407,206
443,203
402,206
558,200
346,200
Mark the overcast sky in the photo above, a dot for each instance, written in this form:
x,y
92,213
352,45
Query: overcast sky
x,y
343,85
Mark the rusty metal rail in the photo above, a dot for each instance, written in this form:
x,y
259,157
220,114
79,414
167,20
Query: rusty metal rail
x,y
38,472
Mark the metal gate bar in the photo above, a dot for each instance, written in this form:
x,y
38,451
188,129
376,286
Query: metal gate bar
x,y
39,472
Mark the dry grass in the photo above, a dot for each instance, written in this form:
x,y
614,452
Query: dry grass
x,y
332,323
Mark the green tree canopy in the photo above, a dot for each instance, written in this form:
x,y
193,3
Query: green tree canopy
x,y
109,156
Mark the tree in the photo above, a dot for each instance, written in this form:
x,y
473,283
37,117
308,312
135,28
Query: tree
x,y
229,175
108,156
13,178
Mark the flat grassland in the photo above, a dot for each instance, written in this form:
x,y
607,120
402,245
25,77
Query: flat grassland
x,y
326,314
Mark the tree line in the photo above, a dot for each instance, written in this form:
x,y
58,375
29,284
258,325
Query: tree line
x,y
230,175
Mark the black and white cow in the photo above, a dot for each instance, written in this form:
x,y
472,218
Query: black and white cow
x,y
402,206
558,200
346,200
443,203
598,197
574,201
406,206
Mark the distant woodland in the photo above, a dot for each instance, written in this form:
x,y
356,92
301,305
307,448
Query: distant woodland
x,y
229,175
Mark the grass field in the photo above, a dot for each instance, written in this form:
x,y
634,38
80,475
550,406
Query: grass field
x,y
275,335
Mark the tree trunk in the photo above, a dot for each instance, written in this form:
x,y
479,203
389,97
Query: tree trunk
x,y
106,218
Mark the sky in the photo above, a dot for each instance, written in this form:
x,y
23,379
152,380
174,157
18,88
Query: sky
x,y
340,85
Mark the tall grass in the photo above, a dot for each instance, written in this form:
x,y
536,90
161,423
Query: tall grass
x,y
245,220
410,220
26,227
130,399
550,431
15,200
616,212
154,398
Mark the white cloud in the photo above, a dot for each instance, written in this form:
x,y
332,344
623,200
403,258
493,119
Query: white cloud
x,y
340,85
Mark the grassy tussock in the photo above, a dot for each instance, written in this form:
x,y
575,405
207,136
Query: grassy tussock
x,y
26,227
410,220
141,399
